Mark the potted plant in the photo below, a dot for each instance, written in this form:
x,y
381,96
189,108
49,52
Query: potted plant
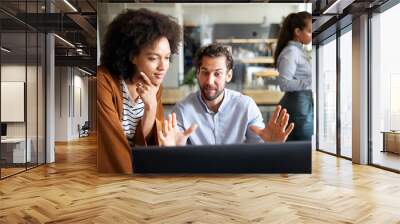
x,y
190,79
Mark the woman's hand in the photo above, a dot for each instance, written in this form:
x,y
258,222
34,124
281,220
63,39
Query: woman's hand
x,y
171,136
147,91
276,129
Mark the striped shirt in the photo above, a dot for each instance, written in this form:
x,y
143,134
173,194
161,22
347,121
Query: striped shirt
x,y
132,113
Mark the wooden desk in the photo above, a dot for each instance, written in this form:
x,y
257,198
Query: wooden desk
x,y
264,97
258,60
268,73
173,95
260,96
391,141
13,150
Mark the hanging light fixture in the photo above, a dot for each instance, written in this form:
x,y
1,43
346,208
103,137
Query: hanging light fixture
x,y
70,5
5,50
84,71
64,40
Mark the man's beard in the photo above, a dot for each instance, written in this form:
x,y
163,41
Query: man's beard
x,y
208,97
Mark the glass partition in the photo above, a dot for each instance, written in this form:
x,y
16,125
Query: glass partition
x,y
346,94
327,97
15,150
385,89
22,89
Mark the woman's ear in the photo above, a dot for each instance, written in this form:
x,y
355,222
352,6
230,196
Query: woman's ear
x,y
133,60
297,32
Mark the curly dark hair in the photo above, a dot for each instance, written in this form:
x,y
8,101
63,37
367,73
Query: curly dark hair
x,y
130,32
213,50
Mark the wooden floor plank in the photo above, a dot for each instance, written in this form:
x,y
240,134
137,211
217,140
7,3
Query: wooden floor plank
x,y
71,191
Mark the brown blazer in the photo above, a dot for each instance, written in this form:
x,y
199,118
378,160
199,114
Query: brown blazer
x,y
113,150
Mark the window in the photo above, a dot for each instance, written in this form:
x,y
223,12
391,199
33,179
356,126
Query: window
x,y
385,89
22,69
346,94
327,97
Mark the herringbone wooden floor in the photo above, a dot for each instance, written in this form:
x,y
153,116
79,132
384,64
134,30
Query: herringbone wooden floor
x,y
71,191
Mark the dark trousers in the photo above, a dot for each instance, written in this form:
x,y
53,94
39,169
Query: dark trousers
x,y
300,106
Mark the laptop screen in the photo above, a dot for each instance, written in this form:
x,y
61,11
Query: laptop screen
x,y
291,157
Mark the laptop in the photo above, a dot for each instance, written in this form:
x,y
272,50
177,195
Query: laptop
x,y
290,157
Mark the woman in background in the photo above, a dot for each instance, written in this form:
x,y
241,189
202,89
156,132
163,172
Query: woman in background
x,y
294,70
135,59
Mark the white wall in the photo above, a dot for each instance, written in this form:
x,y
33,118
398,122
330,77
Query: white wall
x,y
195,13
33,126
71,96
61,103
80,111
238,13
13,73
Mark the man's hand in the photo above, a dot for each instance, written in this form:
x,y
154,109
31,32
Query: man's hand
x,y
171,136
276,129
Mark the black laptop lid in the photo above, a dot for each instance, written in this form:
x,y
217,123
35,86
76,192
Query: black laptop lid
x,y
290,157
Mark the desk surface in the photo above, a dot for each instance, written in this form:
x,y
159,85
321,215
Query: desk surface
x,y
260,96
13,140
391,132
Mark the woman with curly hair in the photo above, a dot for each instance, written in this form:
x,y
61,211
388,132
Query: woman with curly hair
x,y
135,59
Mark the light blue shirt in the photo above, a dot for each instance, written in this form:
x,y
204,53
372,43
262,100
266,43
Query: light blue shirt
x,y
294,68
229,125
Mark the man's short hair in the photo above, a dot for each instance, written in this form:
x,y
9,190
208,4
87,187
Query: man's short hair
x,y
214,50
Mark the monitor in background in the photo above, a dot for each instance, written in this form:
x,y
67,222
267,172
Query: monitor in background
x,y
3,130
